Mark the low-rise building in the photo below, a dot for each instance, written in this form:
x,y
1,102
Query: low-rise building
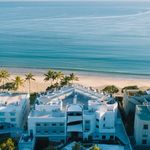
x,y
132,98
142,125
74,113
14,110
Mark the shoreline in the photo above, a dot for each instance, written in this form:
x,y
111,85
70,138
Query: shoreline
x,y
87,79
41,71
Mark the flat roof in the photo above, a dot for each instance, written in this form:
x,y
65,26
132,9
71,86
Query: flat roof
x,y
45,114
11,101
143,112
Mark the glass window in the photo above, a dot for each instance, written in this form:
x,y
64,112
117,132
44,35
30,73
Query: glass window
x,y
38,124
103,125
144,141
87,121
12,113
38,131
61,124
61,131
145,126
111,137
53,124
103,137
2,119
13,119
97,126
97,120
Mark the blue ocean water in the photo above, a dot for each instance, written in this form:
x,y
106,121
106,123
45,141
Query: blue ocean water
x,y
110,37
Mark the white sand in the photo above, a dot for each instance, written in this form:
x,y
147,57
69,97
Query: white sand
x,y
86,79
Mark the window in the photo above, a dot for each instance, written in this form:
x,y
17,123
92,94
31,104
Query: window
x,y
12,113
145,135
46,131
61,124
61,131
53,124
97,120
97,126
104,118
54,131
38,124
87,129
103,125
2,119
2,113
103,137
13,119
111,137
38,131
45,124
144,141
145,126
87,121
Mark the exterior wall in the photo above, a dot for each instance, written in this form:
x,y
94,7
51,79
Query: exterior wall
x,y
54,128
141,135
88,125
17,117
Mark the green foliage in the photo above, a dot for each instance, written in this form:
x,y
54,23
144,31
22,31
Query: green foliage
x,y
18,81
49,76
8,145
29,77
59,78
8,86
32,98
73,77
134,87
4,75
111,89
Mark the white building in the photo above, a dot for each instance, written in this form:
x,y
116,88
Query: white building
x,y
14,109
132,98
73,113
142,125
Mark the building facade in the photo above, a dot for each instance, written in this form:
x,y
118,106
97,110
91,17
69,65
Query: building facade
x,y
73,113
142,125
14,110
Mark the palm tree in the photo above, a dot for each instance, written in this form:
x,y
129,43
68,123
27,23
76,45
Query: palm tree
x,y
49,76
18,81
58,76
73,77
28,78
4,75
65,81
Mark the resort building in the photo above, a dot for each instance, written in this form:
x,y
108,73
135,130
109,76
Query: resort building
x,y
132,98
76,113
14,110
142,125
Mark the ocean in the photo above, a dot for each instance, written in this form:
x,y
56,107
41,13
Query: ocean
x,y
100,37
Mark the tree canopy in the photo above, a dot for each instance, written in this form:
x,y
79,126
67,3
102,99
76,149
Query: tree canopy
x,y
111,89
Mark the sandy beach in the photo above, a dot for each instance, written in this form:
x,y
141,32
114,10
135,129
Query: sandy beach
x,y
98,81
